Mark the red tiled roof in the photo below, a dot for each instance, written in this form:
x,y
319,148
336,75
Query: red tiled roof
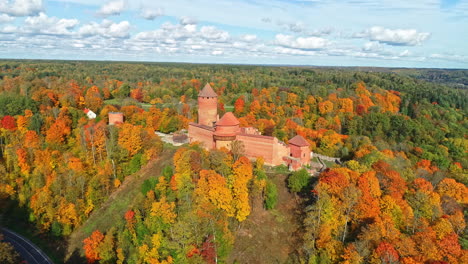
x,y
228,119
299,141
207,91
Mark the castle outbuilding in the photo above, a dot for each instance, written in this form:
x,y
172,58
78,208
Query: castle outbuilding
x,y
213,132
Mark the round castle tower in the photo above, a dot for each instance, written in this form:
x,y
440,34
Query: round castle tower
x,y
207,106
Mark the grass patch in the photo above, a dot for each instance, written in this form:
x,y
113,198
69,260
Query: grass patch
x,y
119,102
329,164
279,217
229,108
114,101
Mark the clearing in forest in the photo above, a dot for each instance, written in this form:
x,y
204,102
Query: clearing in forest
x,y
269,236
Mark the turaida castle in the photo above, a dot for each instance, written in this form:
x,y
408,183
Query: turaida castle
x,y
213,132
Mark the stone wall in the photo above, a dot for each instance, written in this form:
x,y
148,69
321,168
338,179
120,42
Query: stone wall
x,y
202,134
269,148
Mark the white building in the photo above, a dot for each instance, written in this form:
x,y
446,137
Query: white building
x,y
89,113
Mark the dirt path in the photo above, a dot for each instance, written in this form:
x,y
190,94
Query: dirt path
x,y
269,236
113,209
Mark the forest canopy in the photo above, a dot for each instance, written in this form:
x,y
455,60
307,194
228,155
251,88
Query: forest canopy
x,y
399,194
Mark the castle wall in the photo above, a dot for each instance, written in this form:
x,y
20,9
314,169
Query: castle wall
x,y
202,134
269,148
223,144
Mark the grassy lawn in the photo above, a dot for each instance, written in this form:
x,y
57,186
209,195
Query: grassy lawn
x,y
119,102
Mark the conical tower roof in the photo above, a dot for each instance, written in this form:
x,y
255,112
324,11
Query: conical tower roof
x,y
299,141
228,119
207,91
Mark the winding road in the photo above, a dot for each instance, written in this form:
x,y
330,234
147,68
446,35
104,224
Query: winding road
x,y
28,251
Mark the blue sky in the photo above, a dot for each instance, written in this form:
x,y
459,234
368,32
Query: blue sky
x,y
395,33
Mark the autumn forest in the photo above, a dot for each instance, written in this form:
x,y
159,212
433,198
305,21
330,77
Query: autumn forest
x,y
86,191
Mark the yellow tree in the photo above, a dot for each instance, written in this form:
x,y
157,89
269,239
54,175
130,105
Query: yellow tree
x,y
164,210
212,190
242,174
130,138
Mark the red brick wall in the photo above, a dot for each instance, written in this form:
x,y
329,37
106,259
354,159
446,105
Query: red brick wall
x,y
227,130
115,118
261,146
207,110
302,153
202,135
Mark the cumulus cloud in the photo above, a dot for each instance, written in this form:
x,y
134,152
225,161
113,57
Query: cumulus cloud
x,y
4,18
112,8
214,34
290,51
151,14
168,33
396,37
107,28
42,24
249,38
9,29
186,20
373,46
217,52
309,43
21,7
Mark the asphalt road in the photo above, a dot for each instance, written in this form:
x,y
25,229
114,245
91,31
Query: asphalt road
x,y
28,251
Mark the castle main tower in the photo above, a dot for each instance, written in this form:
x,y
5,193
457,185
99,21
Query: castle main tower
x,y
207,106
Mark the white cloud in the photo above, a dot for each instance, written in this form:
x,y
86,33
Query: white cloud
x,y
295,27
106,29
9,29
289,51
112,8
217,52
372,46
4,18
186,20
42,24
310,43
396,37
151,14
249,38
21,7
213,34
405,53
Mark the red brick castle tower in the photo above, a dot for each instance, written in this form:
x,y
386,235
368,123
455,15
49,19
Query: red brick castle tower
x,y
299,152
207,106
